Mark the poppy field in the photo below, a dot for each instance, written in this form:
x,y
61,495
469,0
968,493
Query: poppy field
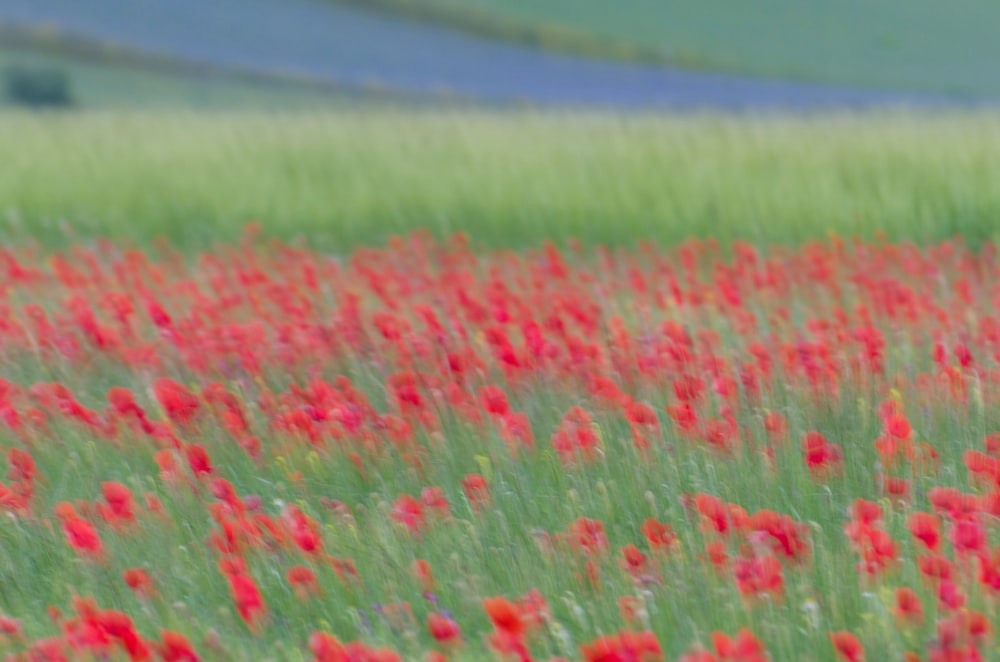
x,y
432,450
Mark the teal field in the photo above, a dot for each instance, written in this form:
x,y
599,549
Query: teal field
x,y
915,45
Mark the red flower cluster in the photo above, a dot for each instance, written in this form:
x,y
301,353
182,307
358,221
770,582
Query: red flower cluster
x,y
466,424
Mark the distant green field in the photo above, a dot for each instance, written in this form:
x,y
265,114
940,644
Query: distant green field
x,y
908,44
105,75
341,179
97,85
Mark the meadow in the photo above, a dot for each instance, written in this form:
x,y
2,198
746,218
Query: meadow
x,y
403,386
511,179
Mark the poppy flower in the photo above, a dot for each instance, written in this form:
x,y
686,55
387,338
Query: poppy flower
x,y
175,647
847,646
409,512
477,490
180,405
504,615
248,600
744,647
908,609
83,537
661,536
444,630
303,581
140,582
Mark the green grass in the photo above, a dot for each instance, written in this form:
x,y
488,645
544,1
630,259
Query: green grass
x,y
342,179
907,44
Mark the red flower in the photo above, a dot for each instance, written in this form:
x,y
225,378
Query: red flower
x,y
625,646
660,536
935,567
744,647
968,537
327,648
504,615
198,459
305,531
759,575
303,581
477,491
716,554
444,630
120,506
821,456
22,465
180,405
576,437
639,413
688,388
684,416
433,499
587,535
409,512
175,647
494,400
633,561
866,513
950,597
83,537
908,608
140,582
249,602
847,646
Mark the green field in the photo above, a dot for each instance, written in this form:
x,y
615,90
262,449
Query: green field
x,y
913,44
103,86
105,75
346,178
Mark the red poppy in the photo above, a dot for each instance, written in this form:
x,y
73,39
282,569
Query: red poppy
x,y
409,512
180,405
908,609
639,646
175,647
140,582
744,647
248,600
661,536
83,537
847,646
504,615
444,630
303,581
477,490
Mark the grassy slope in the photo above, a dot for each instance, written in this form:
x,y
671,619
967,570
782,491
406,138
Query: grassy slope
x,y
917,44
98,85
107,75
349,178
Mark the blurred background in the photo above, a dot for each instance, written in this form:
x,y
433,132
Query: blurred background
x,y
730,54
344,122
